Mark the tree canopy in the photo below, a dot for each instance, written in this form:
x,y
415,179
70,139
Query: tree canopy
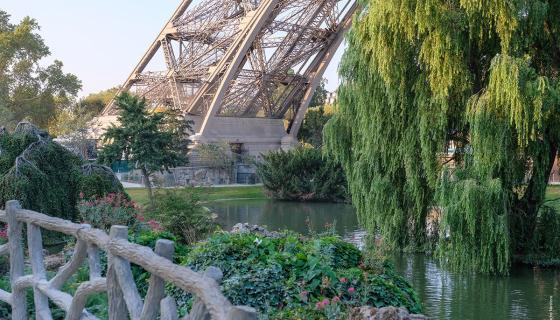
x,y
421,76
29,90
151,141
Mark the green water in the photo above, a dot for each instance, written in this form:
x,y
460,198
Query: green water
x,y
526,294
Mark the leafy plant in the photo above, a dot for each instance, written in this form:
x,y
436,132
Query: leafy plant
x,y
302,174
289,275
181,213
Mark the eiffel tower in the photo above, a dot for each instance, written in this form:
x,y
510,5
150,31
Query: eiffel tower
x,y
243,70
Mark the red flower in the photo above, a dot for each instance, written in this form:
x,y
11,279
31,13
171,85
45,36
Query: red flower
x,y
4,233
351,290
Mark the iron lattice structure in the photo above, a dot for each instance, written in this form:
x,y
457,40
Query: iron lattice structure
x,y
242,58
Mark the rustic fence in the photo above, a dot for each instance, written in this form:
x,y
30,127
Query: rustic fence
x,y
124,301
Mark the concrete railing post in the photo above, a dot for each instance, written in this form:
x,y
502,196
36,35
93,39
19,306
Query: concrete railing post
x,y
19,304
117,305
156,289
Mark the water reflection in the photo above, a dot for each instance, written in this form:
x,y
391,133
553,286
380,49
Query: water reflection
x,y
300,217
526,294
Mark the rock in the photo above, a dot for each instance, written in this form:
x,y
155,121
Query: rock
x,y
248,228
385,313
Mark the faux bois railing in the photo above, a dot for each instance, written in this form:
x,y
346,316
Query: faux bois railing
x,y
124,301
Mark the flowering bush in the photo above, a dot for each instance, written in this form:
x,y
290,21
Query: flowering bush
x,y
112,209
292,277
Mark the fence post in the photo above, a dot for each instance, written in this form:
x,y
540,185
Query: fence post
x,y
35,245
19,304
168,309
156,289
242,313
117,305
198,310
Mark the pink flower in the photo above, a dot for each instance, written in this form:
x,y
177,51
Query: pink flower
x,y
4,233
335,299
321,304
81,195
140,218
343,280
155,225
351,290
303,293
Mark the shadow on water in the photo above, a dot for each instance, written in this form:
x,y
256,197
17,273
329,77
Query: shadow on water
x,y
526,294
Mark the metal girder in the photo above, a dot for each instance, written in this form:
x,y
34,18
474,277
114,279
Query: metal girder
x,y
241,58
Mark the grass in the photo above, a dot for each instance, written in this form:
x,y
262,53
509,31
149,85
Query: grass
x,y
553,195
140,195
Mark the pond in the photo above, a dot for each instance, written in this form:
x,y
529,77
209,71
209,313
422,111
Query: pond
x,y
526,294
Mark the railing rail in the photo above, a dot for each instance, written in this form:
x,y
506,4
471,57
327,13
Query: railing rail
x,y
123,298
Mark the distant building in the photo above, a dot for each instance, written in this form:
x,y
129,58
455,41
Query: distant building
x,y
331,97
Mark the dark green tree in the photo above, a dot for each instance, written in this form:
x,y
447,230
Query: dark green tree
x,y
420,75
312,127
320,95
302,174
29,90
45,176
150,141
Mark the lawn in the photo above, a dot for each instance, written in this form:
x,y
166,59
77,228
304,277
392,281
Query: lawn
x,y
256,192
553,193
140,195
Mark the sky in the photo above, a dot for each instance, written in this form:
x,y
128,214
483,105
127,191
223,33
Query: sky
x,y
101,41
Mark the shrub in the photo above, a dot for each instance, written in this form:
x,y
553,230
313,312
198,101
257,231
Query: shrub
x,y
112,209
98,180
181,213
287,277
44,176
38,172
302,174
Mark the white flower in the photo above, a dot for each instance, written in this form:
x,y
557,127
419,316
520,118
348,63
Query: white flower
x,y
257,241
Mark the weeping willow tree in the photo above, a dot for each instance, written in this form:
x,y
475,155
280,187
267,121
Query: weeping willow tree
x,y
420,76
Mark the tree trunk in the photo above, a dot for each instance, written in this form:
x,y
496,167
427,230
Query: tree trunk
x,y
148,185
527,208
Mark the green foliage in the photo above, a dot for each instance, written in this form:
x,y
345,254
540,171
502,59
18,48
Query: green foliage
x,y
320,95
546,239
46,177
98,181
27,89
285,277
420,75
151,141
95,102
302,174
104,212
312,127
181,213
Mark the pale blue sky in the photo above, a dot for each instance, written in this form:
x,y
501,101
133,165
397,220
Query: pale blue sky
x,y
102,40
